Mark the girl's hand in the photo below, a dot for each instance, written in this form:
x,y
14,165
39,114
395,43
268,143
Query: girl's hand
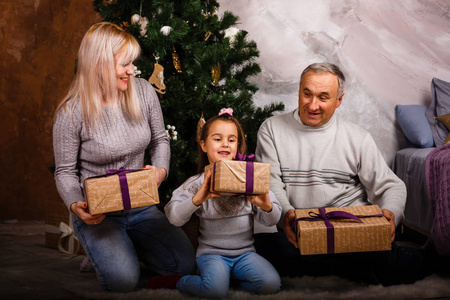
x,y
161,173
203,193
262,201
79,208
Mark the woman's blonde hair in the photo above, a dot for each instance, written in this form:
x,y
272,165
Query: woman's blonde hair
x,y
95,79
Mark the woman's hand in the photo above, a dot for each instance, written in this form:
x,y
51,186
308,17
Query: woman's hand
x,y
203,193
79,208
161,173
262,201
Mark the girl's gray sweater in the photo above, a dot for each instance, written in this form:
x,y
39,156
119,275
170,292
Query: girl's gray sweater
x,y
226,223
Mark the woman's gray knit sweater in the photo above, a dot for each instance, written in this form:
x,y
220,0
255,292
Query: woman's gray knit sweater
x,y
113,143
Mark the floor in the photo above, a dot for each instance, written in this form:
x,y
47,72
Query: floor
x,y
30,270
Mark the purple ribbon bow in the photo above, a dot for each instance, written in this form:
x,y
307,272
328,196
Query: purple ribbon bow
x,y
249,170
323,215
244,157
123,185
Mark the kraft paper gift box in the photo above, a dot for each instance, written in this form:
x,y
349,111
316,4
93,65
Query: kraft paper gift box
x,y
121,190
231,177
59,232
333,230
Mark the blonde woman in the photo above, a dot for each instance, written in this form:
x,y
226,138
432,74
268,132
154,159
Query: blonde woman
x,y
107,120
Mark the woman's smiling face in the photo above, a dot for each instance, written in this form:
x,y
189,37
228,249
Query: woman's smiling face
x,y
124,69
221,143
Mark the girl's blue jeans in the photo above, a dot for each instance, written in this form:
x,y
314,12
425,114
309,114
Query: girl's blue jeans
x,y
117,245
253,273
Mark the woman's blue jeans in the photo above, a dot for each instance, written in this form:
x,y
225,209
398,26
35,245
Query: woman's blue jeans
x,y
253,272
121,240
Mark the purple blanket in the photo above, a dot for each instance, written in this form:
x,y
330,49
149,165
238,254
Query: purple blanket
x,y
437,171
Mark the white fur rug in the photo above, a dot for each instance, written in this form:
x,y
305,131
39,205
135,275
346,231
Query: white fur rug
x,y
327,287
23,257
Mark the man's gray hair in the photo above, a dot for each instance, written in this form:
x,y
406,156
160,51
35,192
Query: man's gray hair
x,y
327,68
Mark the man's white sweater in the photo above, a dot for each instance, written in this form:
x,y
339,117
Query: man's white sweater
x,y
334,165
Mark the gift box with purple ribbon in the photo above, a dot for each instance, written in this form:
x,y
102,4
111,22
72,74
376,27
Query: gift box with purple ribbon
x,y
121,190
342,230
239,176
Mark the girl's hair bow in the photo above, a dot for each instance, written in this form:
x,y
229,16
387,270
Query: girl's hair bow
x,y
226,111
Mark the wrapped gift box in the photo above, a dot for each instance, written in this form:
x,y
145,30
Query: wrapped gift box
x,y
230,177
58,228
121,190
342,234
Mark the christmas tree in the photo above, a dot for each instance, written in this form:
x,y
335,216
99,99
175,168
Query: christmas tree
x,y
198,63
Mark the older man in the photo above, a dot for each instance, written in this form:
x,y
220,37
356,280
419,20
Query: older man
x,y
320,160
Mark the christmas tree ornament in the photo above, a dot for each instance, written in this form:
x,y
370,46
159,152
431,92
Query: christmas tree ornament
x,y
124,25
207,35
206,14
142,21
135,19
215,72
166,30
136,71
172,134
231,34
157,79
176,60
200,124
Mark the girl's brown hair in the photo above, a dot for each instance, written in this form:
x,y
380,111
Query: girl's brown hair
x,y
202,156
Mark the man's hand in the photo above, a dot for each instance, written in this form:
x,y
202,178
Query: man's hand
x,y
161,173
391,218
289,218
79,208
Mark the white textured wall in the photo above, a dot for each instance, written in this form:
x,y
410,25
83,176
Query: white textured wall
x,y
388,50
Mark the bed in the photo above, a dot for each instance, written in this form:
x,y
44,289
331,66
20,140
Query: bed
x,y
424,166
409,165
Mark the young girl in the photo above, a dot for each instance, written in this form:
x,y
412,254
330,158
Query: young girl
x,y
225,248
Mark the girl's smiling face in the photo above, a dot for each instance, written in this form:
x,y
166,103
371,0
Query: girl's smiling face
x,y
221,143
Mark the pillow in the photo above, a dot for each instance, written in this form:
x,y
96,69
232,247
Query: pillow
x,y
445,119
415,125
440,105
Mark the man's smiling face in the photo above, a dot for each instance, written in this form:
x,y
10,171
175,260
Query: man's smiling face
x,y
318,98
